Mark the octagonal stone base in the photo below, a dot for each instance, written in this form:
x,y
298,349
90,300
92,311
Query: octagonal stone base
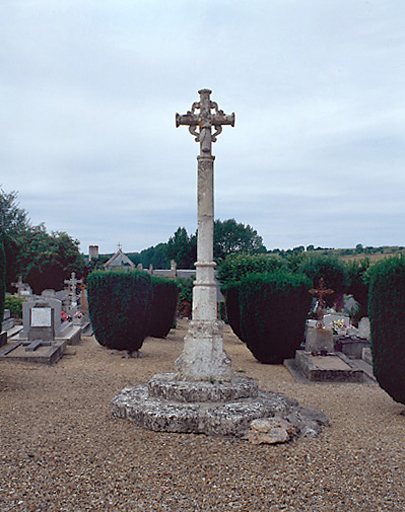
x,y
217,409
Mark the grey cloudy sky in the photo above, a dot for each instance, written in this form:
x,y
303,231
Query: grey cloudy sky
x,y
89,91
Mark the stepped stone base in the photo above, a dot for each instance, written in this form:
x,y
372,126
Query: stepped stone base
x,y
217,409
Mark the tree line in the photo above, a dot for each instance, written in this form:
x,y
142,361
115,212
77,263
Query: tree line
x,y
230,237
42,259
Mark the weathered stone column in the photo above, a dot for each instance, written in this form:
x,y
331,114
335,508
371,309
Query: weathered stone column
x,y
203,357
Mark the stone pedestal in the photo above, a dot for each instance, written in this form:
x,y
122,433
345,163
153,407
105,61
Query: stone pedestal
x,y
319,340
203,357
217,409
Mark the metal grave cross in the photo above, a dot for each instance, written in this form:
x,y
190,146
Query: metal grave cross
x,y
321,292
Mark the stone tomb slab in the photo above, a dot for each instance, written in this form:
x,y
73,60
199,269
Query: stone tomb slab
x,y
48,352
335,367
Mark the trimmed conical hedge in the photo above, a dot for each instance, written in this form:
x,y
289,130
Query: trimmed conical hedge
x,y
120,307
273,310
231,294
387,320
163,307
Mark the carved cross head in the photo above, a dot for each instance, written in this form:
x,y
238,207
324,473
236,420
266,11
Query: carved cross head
x,y
209,116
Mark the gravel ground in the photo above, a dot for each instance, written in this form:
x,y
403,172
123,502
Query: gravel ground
x,y
62,451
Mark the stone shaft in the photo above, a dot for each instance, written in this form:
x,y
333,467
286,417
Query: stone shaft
x,y
203,357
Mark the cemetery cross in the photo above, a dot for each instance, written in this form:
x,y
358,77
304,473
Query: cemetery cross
x,y
320,293
19,285
203,357
72,282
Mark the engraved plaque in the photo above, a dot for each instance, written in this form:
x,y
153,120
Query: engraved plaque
x,y
41,317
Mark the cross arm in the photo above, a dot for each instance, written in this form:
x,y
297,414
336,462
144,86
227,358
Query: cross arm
x,y
189,119
219,118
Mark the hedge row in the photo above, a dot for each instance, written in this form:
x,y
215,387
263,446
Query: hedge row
x,y
338,276
127,306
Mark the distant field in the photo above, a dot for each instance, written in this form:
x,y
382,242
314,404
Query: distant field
x,y
387,252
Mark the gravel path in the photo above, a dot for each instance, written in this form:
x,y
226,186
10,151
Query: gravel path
x,y
61,450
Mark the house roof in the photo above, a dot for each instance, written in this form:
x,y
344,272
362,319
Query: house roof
x,y
119,260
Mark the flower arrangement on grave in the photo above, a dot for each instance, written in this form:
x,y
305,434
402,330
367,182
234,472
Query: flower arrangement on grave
x,y
338,326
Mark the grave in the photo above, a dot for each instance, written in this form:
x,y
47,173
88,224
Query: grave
x,y
8,321
40,327
9,329
203,395
44,336
319,362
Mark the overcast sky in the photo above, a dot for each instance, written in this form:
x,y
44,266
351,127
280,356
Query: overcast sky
x,y
89,90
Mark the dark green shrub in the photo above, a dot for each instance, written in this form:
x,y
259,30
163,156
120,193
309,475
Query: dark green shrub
x,y
273,310
357,284
185,296
2,279
237,266
164,306
231,293
14,304
119,307
331,269
387,321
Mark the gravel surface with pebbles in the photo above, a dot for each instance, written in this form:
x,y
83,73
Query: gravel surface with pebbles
x,y
61,450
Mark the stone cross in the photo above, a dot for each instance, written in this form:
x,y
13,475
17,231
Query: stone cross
x,y
19,285
72,283
320,293
203,357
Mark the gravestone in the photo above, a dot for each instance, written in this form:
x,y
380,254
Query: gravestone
x,y
41,322
203,396
49,293
8,321
61,330
23,289
37,341
364,328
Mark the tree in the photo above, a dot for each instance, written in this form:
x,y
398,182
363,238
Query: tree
x,y
233,237
46,260
238,265
13,220
331,269
182,248
14,224
358,286
155,255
